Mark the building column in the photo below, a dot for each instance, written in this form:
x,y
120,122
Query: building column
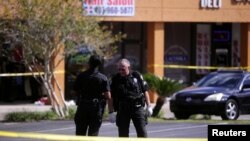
x,y
245,45
155,51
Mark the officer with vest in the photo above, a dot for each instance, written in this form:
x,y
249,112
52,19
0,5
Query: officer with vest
x,y
129,94
93,90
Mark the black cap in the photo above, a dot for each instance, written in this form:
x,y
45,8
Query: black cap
x,y
95,61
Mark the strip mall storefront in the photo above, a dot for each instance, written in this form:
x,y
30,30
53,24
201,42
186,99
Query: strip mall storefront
x,y
179,32
165,32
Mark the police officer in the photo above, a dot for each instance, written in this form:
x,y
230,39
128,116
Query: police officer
x,y
129,93
93,90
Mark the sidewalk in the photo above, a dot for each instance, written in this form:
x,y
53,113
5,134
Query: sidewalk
x,y
169,115
8,108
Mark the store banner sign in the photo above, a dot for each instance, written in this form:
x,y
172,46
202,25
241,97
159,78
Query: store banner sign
x,y
211,3
109,7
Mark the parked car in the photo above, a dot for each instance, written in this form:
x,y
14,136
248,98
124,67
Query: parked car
x,y
223,93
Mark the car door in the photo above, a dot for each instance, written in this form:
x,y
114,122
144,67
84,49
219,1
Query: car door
x,y
244,96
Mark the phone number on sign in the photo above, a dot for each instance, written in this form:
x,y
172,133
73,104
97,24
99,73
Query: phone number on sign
x,y
114,10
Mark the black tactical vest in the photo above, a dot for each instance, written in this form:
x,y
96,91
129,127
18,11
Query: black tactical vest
x,y
129,87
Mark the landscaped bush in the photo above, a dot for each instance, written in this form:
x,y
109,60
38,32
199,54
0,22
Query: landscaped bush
x,y
30,116
164,87
36,116
72,111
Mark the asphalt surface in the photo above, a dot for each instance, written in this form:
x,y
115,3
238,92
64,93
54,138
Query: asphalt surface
x,y
163,130
155,129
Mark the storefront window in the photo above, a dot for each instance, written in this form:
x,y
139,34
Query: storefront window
x,y
133,31
177,50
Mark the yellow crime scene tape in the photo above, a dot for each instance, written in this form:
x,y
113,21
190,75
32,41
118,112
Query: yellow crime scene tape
x,y
154,65
25,74
86,138
198,67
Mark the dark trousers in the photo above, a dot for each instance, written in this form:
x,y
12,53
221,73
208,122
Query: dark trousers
x,y
127,112
88,119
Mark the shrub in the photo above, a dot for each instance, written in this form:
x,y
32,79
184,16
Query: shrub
x,y
164,87
30,116
72,111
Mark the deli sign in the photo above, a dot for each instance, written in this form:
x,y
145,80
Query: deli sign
x,y
211,4
109,7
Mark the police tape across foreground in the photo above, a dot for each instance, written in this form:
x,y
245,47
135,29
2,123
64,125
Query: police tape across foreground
x,y
56,137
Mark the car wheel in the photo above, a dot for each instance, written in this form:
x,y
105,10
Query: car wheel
x,y
231,110
181,115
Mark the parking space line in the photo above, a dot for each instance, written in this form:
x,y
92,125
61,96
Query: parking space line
x,y
66,128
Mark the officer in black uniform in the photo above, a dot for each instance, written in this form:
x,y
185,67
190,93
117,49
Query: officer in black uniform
x,y
129,93
93,90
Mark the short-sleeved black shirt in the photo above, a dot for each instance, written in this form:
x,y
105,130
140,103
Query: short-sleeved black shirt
x,y
91,84
117,80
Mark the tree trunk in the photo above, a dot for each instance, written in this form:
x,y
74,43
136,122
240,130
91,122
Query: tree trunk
x,y
159,103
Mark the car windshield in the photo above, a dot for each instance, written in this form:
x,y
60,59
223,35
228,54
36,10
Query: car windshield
x,y
228,80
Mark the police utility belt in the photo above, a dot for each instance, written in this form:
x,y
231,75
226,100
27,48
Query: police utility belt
x,y
90,101
133,101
